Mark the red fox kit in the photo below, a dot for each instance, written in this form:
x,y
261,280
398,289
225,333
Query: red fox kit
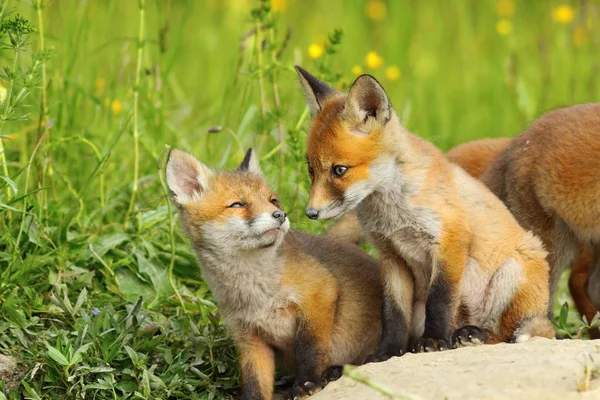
x,y
311,301
471,263
549,177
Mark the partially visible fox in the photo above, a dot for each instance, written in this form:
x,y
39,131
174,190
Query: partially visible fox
x,y
549,177
471,263
311,302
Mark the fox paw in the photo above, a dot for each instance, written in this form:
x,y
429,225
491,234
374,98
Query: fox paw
x,y
301,390
468,336
428,345
331,374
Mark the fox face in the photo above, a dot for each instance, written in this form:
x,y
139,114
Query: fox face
x,y
346,143
225,211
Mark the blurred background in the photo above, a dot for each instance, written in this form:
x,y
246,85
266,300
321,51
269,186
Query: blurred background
x,y
93,92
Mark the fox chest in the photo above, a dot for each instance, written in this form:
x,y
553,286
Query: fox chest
x,y
276,320
396,225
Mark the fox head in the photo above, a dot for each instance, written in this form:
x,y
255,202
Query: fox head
x,y
347,144
225,212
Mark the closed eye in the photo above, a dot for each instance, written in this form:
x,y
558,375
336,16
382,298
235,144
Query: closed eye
x,y
237,204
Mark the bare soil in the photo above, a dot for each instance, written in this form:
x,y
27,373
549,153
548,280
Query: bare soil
x,y
538,369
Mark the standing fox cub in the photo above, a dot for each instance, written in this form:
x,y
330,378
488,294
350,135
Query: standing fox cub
x,y
451,254
549,177
310,301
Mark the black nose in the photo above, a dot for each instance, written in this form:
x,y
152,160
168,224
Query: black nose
x,y
279,215
312,213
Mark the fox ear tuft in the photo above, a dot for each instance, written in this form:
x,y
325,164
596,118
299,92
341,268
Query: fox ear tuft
x,y
187,177
315,91
250,162
367,98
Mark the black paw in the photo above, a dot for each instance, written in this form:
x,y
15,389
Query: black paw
x,y
331,374
427,345
299,391
468,336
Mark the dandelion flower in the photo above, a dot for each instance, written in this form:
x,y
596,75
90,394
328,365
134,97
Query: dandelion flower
x,y
116,106
279,6
580,36
504,27
315,51
505,8
357,70
373,60
100,82
563,14
376,10
392,73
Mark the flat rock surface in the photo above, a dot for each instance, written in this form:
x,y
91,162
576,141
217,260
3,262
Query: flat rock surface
x,y
8,370
538,369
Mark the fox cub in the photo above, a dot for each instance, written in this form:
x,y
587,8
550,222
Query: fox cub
x,y
549,177
451,254
311,302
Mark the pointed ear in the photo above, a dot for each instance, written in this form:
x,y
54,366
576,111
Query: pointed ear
x,y
315,90
250,162
367,98
187,177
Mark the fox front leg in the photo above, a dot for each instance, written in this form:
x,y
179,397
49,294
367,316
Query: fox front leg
x,y
397,308
258,368
444,293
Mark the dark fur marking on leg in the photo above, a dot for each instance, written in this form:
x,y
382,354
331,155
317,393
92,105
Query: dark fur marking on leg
x,y
309,364
438,310
394,332
250,385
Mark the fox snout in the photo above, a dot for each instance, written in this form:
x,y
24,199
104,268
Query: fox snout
x,y
312,213
279,216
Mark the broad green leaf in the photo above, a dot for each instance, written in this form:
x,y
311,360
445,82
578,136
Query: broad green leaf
x,y
57,356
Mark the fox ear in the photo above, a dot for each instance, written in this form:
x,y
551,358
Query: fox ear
x,y
315,90
250,162
187,177
368,99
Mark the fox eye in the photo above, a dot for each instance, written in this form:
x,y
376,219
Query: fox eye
x,y
311,171
275,202
237,204
339,170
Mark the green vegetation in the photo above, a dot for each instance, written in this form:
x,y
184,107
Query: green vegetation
x,y
100,294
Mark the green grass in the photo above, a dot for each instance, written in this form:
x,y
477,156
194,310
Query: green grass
x,y
87,237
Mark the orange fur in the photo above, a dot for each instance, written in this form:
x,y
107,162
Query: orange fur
x,y
313,302
421,211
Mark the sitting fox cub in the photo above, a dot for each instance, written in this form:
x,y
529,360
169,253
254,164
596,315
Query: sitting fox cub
x,y
311,301
470,261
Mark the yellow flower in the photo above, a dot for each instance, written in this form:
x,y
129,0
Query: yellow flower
x,y
392,73
563,14
376,10
3,94
357,70
279,6
315,51
505,8
504,27
580,36
373,60
100,82
116,106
